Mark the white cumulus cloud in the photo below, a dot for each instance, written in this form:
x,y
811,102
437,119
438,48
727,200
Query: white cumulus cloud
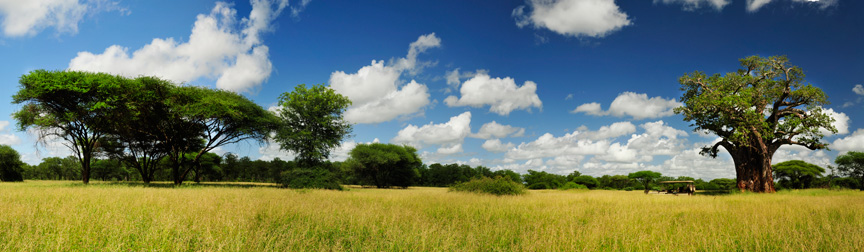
x,y
502,95
638,106
495,145
612,131
854,142
7,139
591,18
495,130
858,89
29,17
841,122
220,47
448,135
375,89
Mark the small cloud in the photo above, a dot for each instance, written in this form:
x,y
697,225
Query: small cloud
x,y
574,18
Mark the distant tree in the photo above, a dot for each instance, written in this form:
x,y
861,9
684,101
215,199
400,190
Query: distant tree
x,y
108,169
586,180
11,166
68,105
385,165
754,111
851,165
573,175
515,177
724,183
312,123
797,174
620,181
543,180
645,178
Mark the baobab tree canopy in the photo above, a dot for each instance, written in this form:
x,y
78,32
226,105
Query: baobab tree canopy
x,y
755,110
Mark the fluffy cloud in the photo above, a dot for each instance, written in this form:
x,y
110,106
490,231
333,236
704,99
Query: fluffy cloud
x,y
495,145
658,139
797,152
690,5
457,148
612,131
755,5
841,122
374,89
449,135
502,95
496,130
690,163
858,89
29,17
854,142
591,18
7,139
236,58
638,106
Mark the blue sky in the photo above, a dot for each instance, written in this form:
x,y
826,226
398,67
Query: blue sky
x,y
558,86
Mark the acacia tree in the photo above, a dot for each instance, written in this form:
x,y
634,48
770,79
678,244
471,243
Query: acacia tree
x,y
645,178
797,174
754,111
222,117
851,164
68,105
136,135
385,165
312,123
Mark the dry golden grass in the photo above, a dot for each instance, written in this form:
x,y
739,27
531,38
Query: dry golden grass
x,y
59,216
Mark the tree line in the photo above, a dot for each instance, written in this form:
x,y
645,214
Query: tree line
x,y
148,123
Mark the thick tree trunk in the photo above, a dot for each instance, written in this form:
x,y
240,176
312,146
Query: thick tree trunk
x,y
753,169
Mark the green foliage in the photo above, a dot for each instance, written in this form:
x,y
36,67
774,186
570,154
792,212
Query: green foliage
x,y
315,178
755,110
724,183
11,166
385,165
797,174
588,181
446,175
69,105
311,122
851,164
573,186
543,180
645,178
496,186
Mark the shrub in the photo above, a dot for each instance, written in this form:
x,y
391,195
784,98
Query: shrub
x,y
573,186
310,178
11,166
628,189
497,186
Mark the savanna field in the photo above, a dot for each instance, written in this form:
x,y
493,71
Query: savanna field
x,y
61,216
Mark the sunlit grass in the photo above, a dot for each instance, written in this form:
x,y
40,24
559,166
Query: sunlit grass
x,y
51,216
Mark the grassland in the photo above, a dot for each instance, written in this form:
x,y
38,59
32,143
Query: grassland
x,y
60,216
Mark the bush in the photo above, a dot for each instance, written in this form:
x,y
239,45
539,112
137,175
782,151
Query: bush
x,y
497,186
310,178
11,166
573,186
628,189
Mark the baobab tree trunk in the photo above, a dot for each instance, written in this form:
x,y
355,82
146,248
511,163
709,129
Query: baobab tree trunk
x,y
754,171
